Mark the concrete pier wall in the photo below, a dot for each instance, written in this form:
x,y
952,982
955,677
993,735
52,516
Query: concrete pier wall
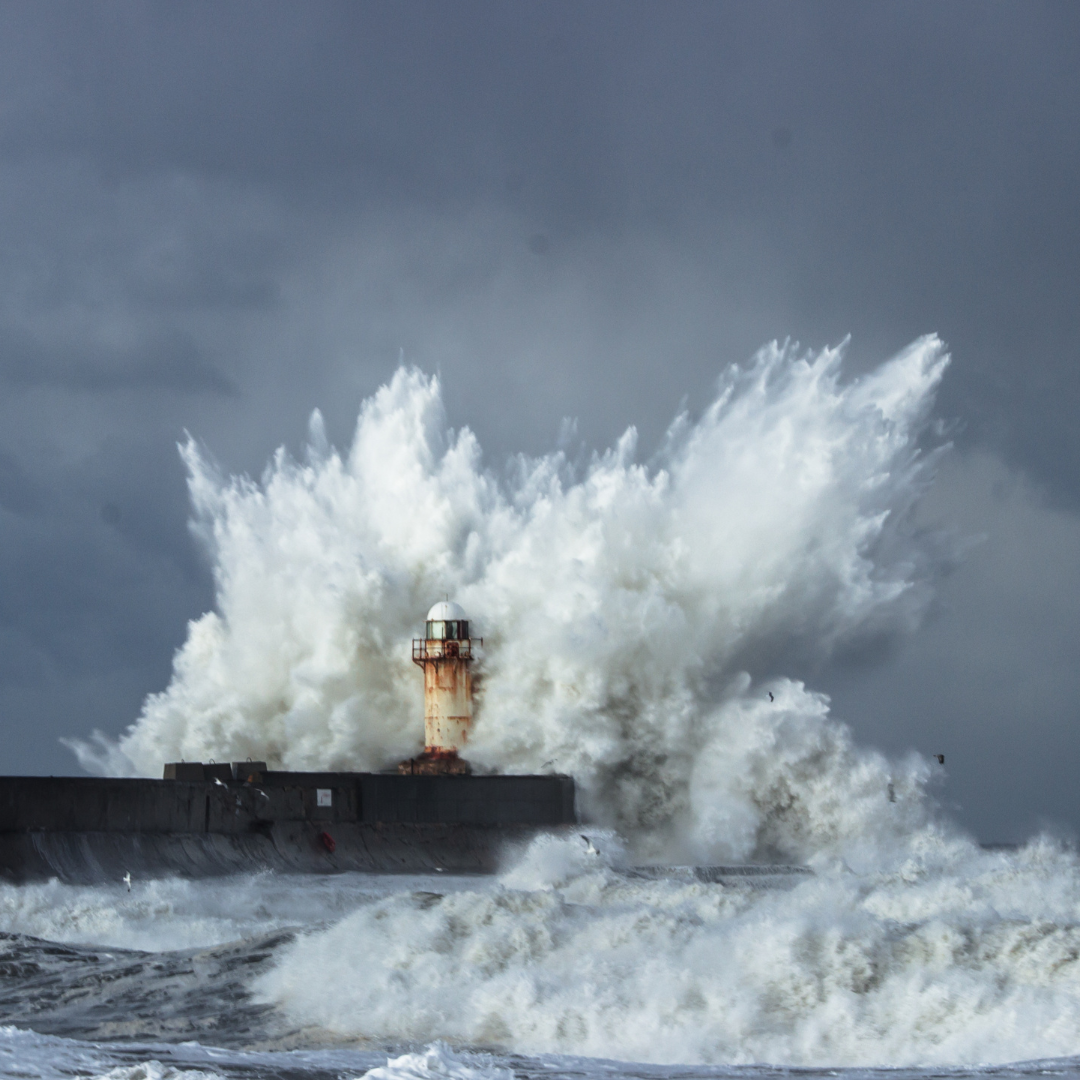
x,y
84,829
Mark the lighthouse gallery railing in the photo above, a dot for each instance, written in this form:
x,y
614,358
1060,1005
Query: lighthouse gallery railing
x,y
434,649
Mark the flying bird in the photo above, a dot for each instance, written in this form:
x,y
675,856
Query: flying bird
x,y
127,880
771,698
589,845
940,758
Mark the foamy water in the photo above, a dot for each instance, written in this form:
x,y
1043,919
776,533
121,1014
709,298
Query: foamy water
x,y
955,955
170,914
566,962
642,621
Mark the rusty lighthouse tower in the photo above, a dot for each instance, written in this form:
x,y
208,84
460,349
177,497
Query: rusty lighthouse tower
x,y
445,652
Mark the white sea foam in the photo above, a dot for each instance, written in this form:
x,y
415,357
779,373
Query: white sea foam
x,y
154,1070
638,619
171,913
437,1062
954,956
29,1056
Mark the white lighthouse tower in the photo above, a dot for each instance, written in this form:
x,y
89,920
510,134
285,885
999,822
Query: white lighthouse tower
x,y
445,652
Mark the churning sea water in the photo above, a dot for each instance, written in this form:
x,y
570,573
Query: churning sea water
x,y
954,961
643,626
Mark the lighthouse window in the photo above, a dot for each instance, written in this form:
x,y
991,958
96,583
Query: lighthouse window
x,y
450,630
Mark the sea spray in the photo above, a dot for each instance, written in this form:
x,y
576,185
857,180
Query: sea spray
x,y
954,955
639,619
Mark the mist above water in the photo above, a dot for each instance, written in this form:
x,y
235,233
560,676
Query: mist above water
x,y
640,619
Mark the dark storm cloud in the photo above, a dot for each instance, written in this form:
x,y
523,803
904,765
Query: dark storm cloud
x,y
879,169
990,681
217,216
105,537
18,494
173,362
95,571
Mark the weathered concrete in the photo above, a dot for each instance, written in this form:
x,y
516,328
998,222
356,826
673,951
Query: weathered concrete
x,y
90,829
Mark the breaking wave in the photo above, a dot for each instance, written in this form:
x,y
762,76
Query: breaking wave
x,y
954,955
639,619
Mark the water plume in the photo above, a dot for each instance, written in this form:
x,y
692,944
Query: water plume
x,y
640,619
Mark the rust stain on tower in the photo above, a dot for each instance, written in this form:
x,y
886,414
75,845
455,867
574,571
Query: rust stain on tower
x,y
445,652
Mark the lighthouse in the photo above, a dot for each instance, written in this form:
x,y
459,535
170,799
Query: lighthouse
x,y
445,653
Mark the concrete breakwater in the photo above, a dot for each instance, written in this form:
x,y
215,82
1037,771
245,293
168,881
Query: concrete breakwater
x,y
223,819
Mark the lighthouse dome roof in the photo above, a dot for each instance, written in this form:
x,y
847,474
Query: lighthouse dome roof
x,y
446,610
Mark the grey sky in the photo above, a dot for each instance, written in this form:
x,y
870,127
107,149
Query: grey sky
x,y
217,216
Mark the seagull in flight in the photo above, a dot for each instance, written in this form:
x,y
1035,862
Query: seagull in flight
x,y
127,880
